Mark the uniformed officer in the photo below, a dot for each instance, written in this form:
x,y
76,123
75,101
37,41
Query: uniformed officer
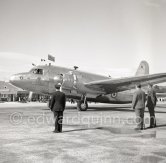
x,y
138,104
151,103
57,106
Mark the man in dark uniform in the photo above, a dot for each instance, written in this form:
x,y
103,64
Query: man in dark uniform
x,y
151,103
57,106
138,105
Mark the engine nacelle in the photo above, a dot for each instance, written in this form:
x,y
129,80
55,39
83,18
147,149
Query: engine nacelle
x,y
68,81
73,82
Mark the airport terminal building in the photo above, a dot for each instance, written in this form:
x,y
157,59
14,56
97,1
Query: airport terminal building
x,y
9,92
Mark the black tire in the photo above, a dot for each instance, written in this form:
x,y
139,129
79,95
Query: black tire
x,y
81,106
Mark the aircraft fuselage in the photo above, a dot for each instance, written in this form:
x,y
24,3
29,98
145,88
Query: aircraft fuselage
x,y
42,79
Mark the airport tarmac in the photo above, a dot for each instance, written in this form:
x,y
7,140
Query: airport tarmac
x,y
104,133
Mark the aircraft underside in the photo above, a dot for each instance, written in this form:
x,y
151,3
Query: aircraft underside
x,y
118,98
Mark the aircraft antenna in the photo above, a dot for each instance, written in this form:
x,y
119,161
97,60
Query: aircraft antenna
x,y
33,64
75,67
43,60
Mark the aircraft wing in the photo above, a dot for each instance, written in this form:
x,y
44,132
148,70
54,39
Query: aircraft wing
x,y
160,89
127,83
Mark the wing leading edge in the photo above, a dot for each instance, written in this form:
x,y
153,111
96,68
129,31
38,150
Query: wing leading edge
x,y
127,83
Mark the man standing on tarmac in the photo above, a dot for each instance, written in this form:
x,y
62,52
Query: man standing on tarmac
x,y
151,103
57,106
138,105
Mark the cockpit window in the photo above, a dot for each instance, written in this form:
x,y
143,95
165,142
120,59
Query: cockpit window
x,y
38,71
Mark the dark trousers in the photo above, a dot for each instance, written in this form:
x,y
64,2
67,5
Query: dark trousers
x,y
58,115
152,116
140,117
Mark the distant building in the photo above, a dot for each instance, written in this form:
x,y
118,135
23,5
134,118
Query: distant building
x,y
9,92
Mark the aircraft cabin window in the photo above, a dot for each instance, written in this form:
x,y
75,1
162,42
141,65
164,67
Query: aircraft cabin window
x,y
38,71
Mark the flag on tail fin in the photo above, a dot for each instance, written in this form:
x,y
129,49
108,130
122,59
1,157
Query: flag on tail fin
x,y
51,58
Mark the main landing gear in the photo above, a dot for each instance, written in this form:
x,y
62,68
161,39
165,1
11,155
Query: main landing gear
x,y
82,105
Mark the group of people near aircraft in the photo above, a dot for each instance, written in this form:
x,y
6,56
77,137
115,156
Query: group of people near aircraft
x,y
140,101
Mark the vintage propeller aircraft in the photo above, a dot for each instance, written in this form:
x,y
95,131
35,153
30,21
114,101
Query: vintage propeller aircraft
x,y
84,86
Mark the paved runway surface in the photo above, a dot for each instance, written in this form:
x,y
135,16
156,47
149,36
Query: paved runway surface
x,y
104,133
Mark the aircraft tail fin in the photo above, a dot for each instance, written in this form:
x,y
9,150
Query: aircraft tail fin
x,y
143,69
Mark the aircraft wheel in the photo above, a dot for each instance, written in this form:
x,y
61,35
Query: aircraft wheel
x,y
81,106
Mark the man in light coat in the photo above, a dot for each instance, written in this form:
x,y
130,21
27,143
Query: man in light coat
x,y
138,104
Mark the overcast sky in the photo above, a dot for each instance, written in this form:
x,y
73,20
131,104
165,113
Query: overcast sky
x,y
101,36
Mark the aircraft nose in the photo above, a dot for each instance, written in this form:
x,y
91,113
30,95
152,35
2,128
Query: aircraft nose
x,y
14,79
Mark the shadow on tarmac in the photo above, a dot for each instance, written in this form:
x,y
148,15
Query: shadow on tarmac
x,y
124,108
112,130
82,129
162,125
